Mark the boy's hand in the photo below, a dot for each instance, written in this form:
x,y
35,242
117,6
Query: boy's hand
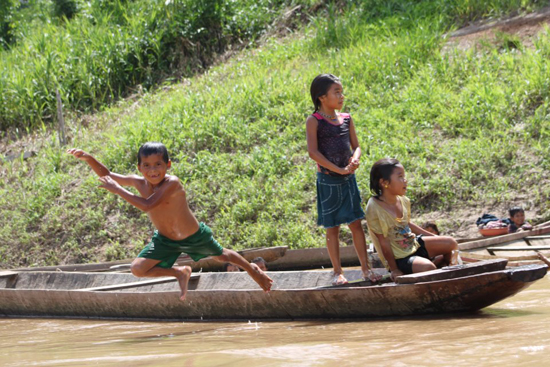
x,y
79,153
109,184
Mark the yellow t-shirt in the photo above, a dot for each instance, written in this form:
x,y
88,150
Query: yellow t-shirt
x,y
380,221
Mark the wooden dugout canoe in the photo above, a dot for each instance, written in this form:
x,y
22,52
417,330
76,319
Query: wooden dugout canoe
x,y
206,264
518,248
296,294
278,258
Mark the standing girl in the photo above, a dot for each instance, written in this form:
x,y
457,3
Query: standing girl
x,y
333,144
403,247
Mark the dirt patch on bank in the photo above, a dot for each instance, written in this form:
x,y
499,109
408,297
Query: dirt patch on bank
x,y
510,33
514,32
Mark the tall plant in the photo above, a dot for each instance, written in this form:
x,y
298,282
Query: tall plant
x,y
65,8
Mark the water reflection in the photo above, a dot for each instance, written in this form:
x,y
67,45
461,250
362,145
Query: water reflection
x,y
514,331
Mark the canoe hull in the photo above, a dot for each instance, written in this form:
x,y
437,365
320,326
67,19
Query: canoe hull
x,y
469,293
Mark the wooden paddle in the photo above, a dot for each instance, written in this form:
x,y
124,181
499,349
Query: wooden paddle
x,y
492,250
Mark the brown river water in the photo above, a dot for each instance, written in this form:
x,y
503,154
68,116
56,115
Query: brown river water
x,y
514,332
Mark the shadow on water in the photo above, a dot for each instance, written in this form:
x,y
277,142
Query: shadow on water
x,y
201,327
487,313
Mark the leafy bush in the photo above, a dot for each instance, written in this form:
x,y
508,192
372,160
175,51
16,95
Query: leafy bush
x,y
111,46
65,8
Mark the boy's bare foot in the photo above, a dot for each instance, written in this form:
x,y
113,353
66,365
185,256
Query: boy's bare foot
x,y
261,278
183,275
543,258
338,279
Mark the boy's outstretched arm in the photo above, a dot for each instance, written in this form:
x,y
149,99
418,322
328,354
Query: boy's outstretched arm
x,y
171,185
97,166
100,169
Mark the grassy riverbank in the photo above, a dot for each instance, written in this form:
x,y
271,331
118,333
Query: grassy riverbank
x,y
108,48
470,125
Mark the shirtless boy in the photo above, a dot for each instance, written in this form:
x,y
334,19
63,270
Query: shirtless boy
x,y
164,200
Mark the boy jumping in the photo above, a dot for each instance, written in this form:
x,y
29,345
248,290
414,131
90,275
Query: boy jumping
x,y
164,200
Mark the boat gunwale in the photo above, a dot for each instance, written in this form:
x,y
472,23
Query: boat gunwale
x,y
491,241
532,267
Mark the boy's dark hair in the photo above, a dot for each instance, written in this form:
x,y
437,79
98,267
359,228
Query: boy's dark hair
x,y
432,225
382,169
225,266
259,260
514,210
150,148
320,86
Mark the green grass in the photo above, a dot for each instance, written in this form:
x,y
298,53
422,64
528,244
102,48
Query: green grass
x,y
471,128
109,47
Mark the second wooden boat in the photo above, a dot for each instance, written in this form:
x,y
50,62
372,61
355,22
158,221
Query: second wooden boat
x,y
518,248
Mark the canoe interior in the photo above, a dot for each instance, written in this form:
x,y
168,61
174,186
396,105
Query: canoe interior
x,y
203,281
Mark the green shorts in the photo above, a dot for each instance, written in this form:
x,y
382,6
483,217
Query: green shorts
x,y
199,245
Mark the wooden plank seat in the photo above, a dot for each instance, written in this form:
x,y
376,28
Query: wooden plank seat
x,y
517,248
543,237
528,239
456,271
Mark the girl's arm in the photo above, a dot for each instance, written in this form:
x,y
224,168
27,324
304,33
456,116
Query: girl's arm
x,y
100,169
388,255
354,142
419,230
313,150
171,185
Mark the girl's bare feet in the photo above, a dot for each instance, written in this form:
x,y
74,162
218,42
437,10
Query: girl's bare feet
x,y
261,278
183,275
338,279
372,276
455,258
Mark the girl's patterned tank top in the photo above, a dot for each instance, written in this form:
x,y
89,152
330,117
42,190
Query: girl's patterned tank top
x,y
333,141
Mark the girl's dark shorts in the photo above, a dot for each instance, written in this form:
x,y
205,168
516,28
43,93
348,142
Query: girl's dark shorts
x,y
405,264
